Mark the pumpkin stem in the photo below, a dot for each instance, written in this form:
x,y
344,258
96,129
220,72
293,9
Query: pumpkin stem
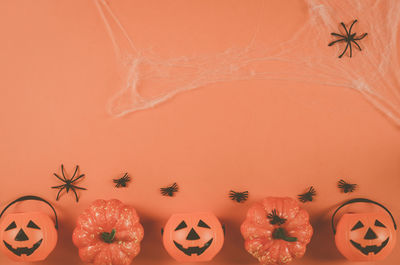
x,y
108,237
280,233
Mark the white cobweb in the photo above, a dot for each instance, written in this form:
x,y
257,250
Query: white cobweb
x,y
374,71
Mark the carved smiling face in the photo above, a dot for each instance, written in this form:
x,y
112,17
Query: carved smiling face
x,y
365,237
193,237
27,236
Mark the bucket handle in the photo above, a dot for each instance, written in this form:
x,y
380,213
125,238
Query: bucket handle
x,y
361,200
31,197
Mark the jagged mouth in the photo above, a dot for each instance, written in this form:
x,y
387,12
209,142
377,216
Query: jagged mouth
x,y
370,249
194,250
24,250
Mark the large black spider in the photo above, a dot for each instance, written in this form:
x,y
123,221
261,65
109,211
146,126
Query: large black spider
x,y
349,38
69,183
238,196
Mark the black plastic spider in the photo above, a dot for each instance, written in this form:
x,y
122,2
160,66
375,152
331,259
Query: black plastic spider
x,y
308,196
69,183
121,182
346,187
239,196
349,38
275,219
170,190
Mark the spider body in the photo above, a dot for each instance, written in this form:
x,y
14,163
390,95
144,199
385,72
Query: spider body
x,y
349,38
122,182
170,190
69,184
275,219
238,196
346,187
308,196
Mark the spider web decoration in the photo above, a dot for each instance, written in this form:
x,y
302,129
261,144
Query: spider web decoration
x,y
150,80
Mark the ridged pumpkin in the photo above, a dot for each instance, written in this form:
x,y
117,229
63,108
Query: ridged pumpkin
x,y
108,233
276,230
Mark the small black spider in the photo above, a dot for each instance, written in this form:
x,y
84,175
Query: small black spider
x,y
275,219
346,187
308,196
239,196
121,182
349,38
68,183
170,190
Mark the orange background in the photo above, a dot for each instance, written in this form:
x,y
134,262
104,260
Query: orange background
x,y
57,70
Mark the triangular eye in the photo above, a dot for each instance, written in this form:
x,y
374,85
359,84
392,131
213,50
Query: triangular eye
x,y
11,226
357,226
32,225
202,224
377,223
181,226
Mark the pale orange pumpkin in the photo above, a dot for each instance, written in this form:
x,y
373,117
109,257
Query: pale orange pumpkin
x,y
108,233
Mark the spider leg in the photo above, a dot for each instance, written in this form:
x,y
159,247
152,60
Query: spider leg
x,y
76,195
361,37
333,42
352,24
358,46
76,187
58,194
76,169
81,176
57,187
58,177
340,56
351,49
344,26
337,35
62,171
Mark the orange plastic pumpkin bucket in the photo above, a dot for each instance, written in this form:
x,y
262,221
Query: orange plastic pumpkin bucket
x,y
193,237
28,236
367,236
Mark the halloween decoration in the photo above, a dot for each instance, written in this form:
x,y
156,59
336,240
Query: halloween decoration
x,y
28,236
150,79
349,38
193,237
170,190
367,236
238,196
308,196
276,230
121,182
69,183
346,187
108,233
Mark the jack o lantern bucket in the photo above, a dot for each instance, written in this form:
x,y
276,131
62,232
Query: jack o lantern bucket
x,y
28,236
367,236
193,237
